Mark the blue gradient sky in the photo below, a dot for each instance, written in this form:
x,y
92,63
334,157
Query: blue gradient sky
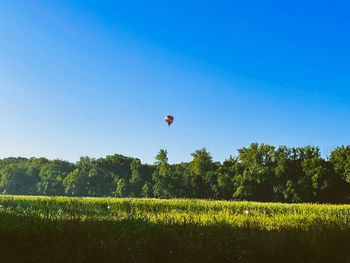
x,y
98,77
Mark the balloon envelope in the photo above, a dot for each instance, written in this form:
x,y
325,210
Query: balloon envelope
x,y
169,119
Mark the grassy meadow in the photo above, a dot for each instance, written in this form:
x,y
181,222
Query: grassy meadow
x,y
64,229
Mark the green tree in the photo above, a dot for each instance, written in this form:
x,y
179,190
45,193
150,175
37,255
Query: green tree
x,y
137,180
122,188
340,158
146,190
201,179
12,160
255,172
303,176
21,177
225,176
162,176
288,171
118,166
77,182
101,180
14,180
52,175
322,179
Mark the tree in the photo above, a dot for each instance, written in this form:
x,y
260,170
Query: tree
x,y
162,176
303,176
146,190
260,172
122,188
137,179
101,180
225,176
77,182
21,177
201,178
320,175
118,166
288,171
14,180
340,158
12,160
255,173
52,175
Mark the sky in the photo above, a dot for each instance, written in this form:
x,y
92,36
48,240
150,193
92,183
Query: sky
x,y
95,78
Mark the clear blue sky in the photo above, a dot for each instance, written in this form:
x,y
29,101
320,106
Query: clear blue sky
x,y
98,77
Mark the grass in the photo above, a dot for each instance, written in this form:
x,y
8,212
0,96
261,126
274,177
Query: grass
x,y
63,229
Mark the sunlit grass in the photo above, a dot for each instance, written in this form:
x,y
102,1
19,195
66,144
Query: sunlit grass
x,y
212,230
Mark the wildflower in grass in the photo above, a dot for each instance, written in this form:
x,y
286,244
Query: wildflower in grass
x,y
246,212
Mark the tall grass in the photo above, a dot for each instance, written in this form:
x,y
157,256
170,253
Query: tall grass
x,y
63,229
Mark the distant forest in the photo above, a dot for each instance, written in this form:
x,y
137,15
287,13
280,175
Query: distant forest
x,y
259,172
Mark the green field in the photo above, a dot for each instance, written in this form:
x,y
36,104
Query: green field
x,y
63,229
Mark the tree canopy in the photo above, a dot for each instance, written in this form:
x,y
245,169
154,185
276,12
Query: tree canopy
x,y
259,172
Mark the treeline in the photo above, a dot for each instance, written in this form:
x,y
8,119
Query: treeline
x,y
259,172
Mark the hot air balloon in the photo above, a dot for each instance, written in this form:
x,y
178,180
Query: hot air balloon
x,y
169,119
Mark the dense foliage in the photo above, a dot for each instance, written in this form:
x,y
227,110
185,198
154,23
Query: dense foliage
x,y
259,172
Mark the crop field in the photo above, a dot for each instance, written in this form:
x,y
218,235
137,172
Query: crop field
x,y
63,229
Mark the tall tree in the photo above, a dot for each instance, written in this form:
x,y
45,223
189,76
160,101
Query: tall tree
x,y
14,180
162,177
52,175
136,181
22,177
101,181
77,182
225,176
201,177
146,190
340,160
255,173
122,188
